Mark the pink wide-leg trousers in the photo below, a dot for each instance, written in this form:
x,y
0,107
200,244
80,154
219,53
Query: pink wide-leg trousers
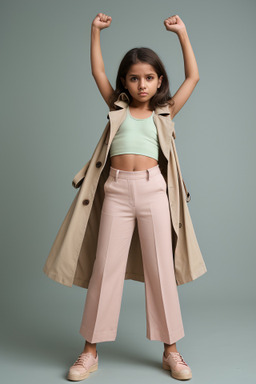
x,y
131,195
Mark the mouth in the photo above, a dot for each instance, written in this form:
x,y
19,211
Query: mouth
x,y
142,93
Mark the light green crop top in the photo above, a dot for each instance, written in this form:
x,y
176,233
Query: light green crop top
x,y
137,136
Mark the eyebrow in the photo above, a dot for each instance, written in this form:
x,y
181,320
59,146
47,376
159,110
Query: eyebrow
x,y
146,74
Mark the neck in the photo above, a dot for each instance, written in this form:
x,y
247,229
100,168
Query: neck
x,y
138,105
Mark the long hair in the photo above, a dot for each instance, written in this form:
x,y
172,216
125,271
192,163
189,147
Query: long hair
x,y
144,55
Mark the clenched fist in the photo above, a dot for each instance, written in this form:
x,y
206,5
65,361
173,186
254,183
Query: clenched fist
x,y
102,21
174,24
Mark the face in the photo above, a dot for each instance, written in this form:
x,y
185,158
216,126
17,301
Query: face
x,y
142,82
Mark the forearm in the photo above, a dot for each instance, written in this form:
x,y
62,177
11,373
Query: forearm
x,y
190,64
97,63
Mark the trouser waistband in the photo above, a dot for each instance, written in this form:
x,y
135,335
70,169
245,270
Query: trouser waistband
x,y
144,174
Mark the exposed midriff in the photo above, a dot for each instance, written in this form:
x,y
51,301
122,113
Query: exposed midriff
x,y
132,162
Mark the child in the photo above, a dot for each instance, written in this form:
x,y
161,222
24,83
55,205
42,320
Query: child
x,y
136,190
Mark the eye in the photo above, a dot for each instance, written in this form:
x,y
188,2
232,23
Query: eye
x,y
151,77
133,78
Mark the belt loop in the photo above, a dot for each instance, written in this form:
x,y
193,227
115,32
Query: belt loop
x,y
147,174
116,175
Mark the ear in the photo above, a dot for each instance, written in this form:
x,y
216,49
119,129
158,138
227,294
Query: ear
x,y
160,81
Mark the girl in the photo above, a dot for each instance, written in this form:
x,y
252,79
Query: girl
x,y
136,189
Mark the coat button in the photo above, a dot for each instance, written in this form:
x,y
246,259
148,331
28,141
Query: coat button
x,y
180,225
98,164
86,202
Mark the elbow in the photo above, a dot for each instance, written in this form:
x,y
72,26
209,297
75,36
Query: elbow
x,y
94,72
194,79
97,74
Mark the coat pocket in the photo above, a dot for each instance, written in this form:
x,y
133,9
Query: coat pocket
x,y
79,177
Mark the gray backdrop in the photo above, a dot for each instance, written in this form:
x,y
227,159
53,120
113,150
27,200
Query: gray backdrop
x,y
49,130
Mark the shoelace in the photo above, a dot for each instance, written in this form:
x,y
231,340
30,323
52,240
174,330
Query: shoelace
x,y
178,357
82,358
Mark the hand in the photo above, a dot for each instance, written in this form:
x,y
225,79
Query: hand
x,y
174,24
101,21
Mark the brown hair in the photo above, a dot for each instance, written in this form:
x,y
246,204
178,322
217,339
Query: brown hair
x,y
146,55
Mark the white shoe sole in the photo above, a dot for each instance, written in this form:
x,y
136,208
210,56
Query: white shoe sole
x,y
177,375
75,377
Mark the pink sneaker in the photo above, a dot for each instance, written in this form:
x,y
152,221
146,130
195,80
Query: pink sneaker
x,y
85,364
175,363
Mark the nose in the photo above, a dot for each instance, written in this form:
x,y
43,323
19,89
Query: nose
x,y
142,84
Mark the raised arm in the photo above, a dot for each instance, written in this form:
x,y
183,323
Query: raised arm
x,y
175,24
100,22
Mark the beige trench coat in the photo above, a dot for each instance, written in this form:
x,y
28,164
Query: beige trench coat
x,y
71,258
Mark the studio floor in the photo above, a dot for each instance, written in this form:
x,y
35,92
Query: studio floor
x,y
40,346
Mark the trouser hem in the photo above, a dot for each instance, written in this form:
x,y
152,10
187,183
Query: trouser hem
x,y
166,338
98,337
